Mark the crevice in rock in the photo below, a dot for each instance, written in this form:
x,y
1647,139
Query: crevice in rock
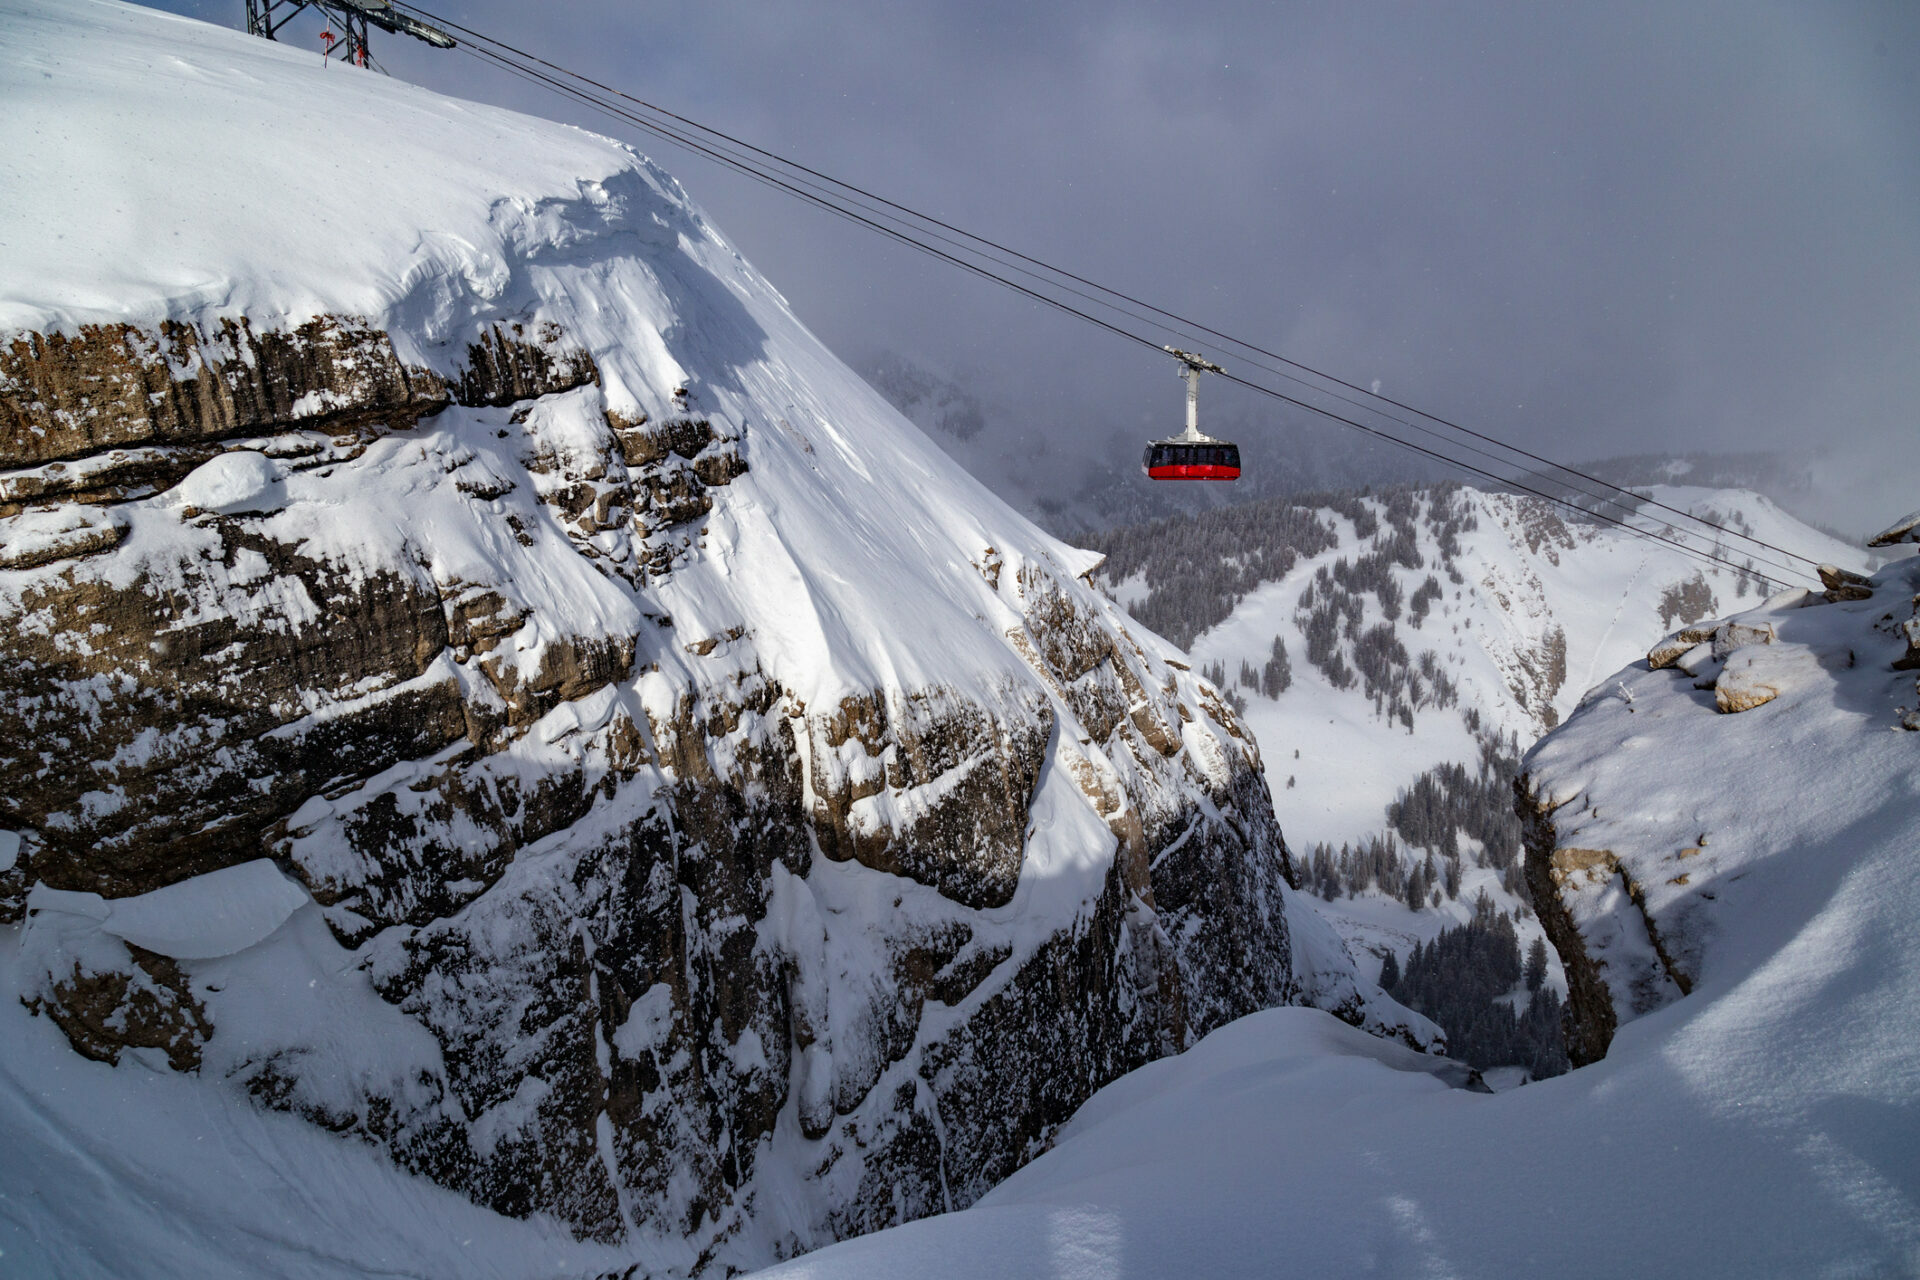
x,y
1590,1020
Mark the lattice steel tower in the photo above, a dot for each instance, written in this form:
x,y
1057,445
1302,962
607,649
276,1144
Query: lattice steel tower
x,y
351,18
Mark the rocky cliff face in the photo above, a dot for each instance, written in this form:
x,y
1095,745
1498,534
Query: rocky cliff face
x,y
1661,820
554,724
586,848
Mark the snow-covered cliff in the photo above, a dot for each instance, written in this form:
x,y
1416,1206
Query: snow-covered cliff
x,y
1705,808
479,676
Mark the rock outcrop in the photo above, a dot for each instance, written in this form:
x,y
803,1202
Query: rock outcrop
x,y
1531,651
1736,660
67,397
1905,529
1647,813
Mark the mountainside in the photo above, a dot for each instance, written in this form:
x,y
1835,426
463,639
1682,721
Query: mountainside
x,y
1396,652
1724,831
479,677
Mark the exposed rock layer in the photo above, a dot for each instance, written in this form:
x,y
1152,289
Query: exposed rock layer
x,y
69,396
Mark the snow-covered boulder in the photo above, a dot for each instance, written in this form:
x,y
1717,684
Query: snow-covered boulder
x,y
1677,646
711,819
239,482
1844,584
1905,529
1756,675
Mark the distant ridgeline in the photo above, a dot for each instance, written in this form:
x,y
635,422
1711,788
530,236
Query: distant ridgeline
x,y
1184,574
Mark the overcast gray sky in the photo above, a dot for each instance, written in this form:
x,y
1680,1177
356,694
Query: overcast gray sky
x,y
1597,229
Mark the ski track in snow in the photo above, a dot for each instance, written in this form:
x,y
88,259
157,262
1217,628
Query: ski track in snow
x,y
1604,645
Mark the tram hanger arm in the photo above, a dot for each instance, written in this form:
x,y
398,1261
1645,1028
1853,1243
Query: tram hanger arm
x,y
1193,361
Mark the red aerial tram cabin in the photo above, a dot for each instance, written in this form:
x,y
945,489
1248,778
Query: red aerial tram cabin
x,y
1178,459
1192,456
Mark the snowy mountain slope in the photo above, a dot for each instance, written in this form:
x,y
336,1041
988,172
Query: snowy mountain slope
x,y
480,677
1762,1124
136,1170
1546,607
1498,612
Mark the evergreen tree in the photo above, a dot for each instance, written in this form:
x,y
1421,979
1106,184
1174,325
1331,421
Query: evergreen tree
x,y
1464,980
1278,673
1416,892
1542,1034
1390,972
1536,964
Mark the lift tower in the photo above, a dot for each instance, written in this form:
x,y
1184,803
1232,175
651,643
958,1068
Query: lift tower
x,y
351,18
